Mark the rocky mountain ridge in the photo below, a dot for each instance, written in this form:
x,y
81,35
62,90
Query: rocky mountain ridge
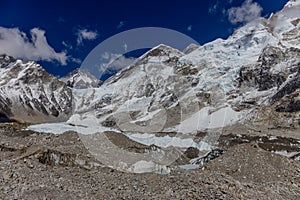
x,y
29,94
80,79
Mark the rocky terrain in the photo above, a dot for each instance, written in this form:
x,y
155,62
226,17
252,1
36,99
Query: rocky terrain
x,y
46,166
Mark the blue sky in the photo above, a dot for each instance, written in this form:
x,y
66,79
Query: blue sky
x,y
60,34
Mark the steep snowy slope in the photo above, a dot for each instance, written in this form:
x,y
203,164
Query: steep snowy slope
x,y
271,85
166,90
286,24
80,79
29,94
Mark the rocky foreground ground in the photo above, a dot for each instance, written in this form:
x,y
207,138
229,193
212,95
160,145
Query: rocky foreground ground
x,y
46,166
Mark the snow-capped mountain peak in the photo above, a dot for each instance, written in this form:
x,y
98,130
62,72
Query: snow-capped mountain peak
x,y
29,94
81,79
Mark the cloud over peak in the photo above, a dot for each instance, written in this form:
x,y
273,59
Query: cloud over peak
x,y
247,12
84,34
16,43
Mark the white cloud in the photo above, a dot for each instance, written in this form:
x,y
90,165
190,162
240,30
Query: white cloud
x,y
247,12
17,44
75,60
84,34
67,45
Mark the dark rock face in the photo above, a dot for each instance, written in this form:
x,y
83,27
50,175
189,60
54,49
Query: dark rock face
x,y
186,70
106,100
4,118
264,75
204,97
277,76
289,88
261,75
293,106
271,56
208,157
149,90
109,122
5,60
168,99
5,106
288,97
191,152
